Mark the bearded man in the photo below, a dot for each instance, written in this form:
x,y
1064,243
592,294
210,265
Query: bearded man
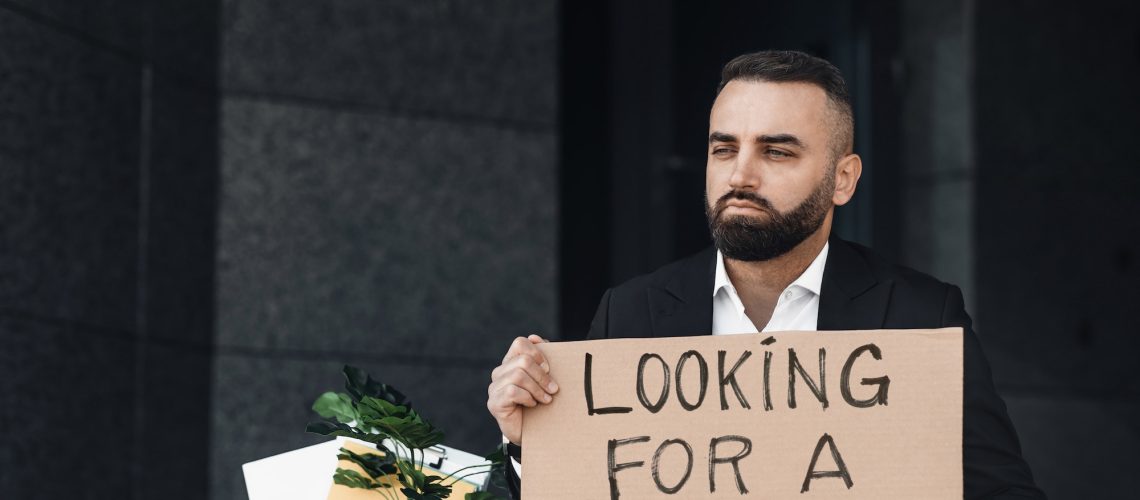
x,y
779,161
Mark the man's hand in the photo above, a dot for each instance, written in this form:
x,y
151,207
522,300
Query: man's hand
x,y
522,380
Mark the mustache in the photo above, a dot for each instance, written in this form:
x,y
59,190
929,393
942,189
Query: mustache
x,y
722,203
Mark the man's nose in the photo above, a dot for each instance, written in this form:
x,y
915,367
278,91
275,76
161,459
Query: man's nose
x,y
745,174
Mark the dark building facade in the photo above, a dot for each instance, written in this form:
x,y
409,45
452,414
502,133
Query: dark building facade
x,y
206,208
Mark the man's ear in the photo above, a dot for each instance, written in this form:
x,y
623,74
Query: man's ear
x,y
847,172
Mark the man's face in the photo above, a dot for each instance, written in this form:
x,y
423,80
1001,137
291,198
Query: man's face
x,y
770,175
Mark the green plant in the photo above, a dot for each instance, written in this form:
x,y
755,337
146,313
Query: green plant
x,y
376,413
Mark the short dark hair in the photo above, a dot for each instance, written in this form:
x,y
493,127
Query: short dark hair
x,y
793,66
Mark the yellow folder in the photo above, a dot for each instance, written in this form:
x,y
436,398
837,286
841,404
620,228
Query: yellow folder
x,y
340,492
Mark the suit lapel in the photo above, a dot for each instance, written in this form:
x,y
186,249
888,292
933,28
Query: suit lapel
x,y
851,297
683,307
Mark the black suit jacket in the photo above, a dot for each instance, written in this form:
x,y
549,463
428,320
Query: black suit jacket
x,y
860,291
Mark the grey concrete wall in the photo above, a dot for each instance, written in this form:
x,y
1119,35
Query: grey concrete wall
x,y
937,168
388,199
108,129
1057,235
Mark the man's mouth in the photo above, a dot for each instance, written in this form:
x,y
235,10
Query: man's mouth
x,y
743,204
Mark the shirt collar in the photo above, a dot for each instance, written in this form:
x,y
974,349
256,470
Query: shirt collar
x,y
811,279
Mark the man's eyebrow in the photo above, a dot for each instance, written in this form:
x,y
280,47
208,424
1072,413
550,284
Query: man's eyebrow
x,y
788,139
721,137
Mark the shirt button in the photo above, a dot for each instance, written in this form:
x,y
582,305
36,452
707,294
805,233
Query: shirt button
x,y
788,295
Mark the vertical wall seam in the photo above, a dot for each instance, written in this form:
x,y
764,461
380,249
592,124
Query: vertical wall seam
x,y
970,160
139,414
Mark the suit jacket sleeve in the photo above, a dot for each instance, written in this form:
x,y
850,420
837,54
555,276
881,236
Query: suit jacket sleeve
x,y
599,327
598,330
992,465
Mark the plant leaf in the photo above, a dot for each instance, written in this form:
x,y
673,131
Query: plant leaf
x,y
375,465
338,406
496,457
353,479
326,428
359,384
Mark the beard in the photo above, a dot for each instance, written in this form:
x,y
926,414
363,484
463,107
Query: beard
x,y
751,239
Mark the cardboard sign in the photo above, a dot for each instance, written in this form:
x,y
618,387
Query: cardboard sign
x,y
851,415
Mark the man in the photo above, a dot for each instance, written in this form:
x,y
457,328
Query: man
x,y
779,161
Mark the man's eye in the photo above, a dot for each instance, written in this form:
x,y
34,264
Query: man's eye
x,y
778,153
721,151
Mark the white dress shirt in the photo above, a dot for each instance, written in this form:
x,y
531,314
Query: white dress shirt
x,y
796,309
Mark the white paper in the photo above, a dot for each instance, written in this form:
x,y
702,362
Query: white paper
x,y
307,473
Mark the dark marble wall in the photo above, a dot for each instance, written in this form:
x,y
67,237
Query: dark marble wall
x,y
936,178
207,208
1017,185
1057,237
108,173
388,199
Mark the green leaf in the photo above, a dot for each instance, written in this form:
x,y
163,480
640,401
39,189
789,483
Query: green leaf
x,y
402,423
375,465
415,476
415,495
384,408
496,457
353,479
338,406
359,384
480,495
498,471
335,429
436,488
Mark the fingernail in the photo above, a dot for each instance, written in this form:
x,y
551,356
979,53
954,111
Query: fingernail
x,y
552,387
545,367
546,397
